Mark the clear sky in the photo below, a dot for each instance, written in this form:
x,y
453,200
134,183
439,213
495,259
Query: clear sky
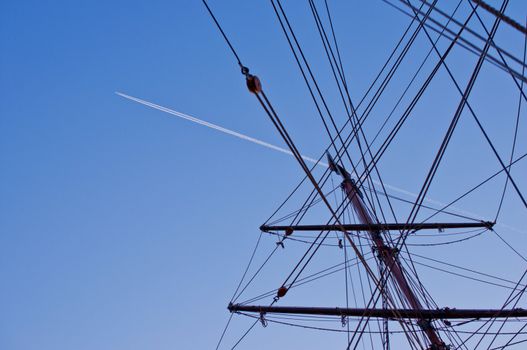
x,y
122,227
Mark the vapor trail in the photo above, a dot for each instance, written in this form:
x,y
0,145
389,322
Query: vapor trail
x,y
283,150
217,127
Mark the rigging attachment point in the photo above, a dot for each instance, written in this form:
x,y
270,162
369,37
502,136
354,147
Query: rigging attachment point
x,y
263,321
282,291
253,83
245,70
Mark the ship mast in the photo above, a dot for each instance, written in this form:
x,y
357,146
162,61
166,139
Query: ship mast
x,y
386,254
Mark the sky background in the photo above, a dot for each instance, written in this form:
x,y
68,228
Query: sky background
x,y
124,228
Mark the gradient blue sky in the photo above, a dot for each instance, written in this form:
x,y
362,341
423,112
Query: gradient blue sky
x,y
124,228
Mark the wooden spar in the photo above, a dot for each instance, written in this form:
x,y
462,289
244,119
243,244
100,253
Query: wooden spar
x,y
387,255
383,313
380,227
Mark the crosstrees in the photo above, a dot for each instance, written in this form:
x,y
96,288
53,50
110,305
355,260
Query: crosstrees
x,y
445,313
381,226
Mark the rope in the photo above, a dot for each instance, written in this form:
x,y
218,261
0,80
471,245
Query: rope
x,y
243,68
501,16
515,131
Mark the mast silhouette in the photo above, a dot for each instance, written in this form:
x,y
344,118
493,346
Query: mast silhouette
x,y
388,256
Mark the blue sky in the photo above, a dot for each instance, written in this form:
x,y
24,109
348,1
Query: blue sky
x,y
124,228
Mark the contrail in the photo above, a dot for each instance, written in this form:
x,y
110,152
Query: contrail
x,y
219,128
283,150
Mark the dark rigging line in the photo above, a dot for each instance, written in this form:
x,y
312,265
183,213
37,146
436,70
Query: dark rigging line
x,y
335,65
482,38
381,88
441,61
501,15
464,43
515,131
248,265
472,190
367,92
414,101
224,35
453,124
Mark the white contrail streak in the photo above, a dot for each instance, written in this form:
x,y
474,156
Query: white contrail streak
x,y
217,127
283,150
